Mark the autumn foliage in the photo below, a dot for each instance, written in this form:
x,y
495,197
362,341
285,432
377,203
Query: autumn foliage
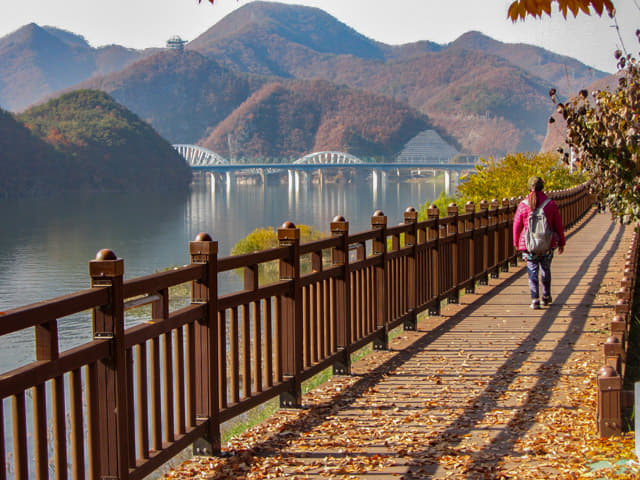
x,y
519,9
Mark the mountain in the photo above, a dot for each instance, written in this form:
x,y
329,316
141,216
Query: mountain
x,y
278,39
566,74
37,61
104,145
491,96
181,94
289,119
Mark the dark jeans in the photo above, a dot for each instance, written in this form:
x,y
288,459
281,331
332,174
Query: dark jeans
x,y
540,264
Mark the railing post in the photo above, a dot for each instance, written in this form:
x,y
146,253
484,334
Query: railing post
x,y
433,235
469,226
494,215
109,424
484,227
342,305
204,250
379,223
506,234
291,337
411,240
609,402
452,211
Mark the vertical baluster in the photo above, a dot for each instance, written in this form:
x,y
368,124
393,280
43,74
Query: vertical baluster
x,y
93,424
131,404
167,385
20,457
234,356
257,350
223,374
156,414
39,432
190,362
268,343
77,431
246,352
277,341
178,360
142,413
306,334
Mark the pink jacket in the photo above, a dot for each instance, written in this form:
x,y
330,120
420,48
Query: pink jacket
x,y
520,223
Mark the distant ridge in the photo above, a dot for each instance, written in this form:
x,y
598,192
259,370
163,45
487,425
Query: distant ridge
x,y
37,61
487,97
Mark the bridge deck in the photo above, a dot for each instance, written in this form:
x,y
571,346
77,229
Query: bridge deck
x,y
489,388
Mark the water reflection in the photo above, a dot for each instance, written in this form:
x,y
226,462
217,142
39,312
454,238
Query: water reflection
x,y
45,245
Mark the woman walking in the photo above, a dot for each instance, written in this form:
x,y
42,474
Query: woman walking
x,y
538,259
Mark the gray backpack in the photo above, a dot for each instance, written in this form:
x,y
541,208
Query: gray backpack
x,y
539,233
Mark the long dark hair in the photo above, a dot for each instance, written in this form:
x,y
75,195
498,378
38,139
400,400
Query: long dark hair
x,y
536,184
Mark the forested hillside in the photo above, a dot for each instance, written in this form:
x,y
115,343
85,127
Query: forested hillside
x,y
29,165
290,119
84,140
181,94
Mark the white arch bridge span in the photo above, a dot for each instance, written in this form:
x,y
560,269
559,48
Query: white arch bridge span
x,y
317,165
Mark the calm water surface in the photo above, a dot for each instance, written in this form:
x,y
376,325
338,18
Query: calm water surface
x,y
45,244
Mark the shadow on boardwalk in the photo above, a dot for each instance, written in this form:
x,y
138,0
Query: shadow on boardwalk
x,y
460,398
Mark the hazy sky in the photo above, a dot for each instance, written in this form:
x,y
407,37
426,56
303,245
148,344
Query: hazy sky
x,y
148,23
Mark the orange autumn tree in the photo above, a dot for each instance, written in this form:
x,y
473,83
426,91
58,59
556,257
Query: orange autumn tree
x,y
519,9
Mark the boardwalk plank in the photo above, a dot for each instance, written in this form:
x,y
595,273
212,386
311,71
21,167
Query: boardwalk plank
x,y
461,397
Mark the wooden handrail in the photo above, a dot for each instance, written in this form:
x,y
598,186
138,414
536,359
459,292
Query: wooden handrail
x,y
173,378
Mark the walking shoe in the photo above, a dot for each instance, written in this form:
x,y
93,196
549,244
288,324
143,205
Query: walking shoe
x,y
546,300
535,304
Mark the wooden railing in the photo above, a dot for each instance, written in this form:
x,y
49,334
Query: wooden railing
x,y
612,399
129,400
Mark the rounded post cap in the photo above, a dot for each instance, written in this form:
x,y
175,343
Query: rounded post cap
x,y
288,224
612,339
607,371
410,210
452,205
106,254
339,218
203,237
378,213
618,318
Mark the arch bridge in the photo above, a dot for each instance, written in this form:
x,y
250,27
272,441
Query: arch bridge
x,y
197,156
328,158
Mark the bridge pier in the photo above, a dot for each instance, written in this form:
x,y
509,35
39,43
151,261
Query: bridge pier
x,y
230,179
378,178
450,181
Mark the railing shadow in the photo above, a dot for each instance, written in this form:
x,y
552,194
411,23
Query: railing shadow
x,y
474,410
548,374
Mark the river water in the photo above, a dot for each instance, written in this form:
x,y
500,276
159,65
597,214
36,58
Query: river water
x,y
45,244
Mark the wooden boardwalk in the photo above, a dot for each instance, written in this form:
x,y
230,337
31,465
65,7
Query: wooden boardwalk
x,y
481,391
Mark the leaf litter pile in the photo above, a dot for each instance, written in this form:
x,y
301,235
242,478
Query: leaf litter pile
x,y
508,396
